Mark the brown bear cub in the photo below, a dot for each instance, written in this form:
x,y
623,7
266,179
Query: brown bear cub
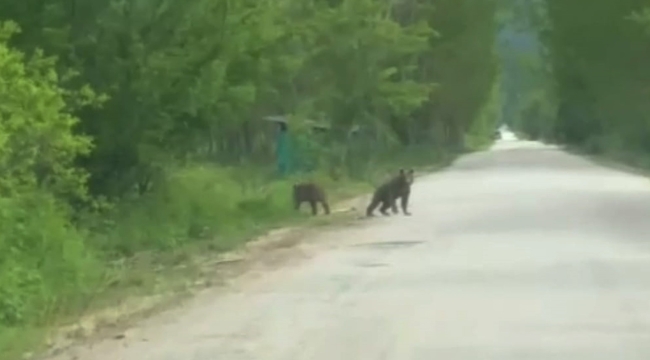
x,y
399,187
311,193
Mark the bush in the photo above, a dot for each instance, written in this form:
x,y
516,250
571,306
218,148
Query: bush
x,y
197,203
45,268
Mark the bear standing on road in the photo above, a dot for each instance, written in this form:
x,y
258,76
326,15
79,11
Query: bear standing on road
x,y
399,187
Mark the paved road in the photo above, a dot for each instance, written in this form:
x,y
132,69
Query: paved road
x,y
522,252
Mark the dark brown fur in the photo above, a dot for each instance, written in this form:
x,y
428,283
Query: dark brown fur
x,y
311,193
399,187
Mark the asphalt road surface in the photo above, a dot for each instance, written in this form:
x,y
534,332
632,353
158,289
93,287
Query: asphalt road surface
x,y
521,252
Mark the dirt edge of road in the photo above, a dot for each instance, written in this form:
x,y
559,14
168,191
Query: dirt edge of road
x,y
272,249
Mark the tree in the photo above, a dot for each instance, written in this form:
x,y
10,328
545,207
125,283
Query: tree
x,y
598,60
38,147
41,255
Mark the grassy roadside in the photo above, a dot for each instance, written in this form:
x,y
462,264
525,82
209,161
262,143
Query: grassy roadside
x,y
634,163
156,277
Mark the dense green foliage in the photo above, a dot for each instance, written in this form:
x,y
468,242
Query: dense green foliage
x,y
130,126
597,96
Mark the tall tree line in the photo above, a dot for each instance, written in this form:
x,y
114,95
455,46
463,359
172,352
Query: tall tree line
x,y
599,85
183,78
